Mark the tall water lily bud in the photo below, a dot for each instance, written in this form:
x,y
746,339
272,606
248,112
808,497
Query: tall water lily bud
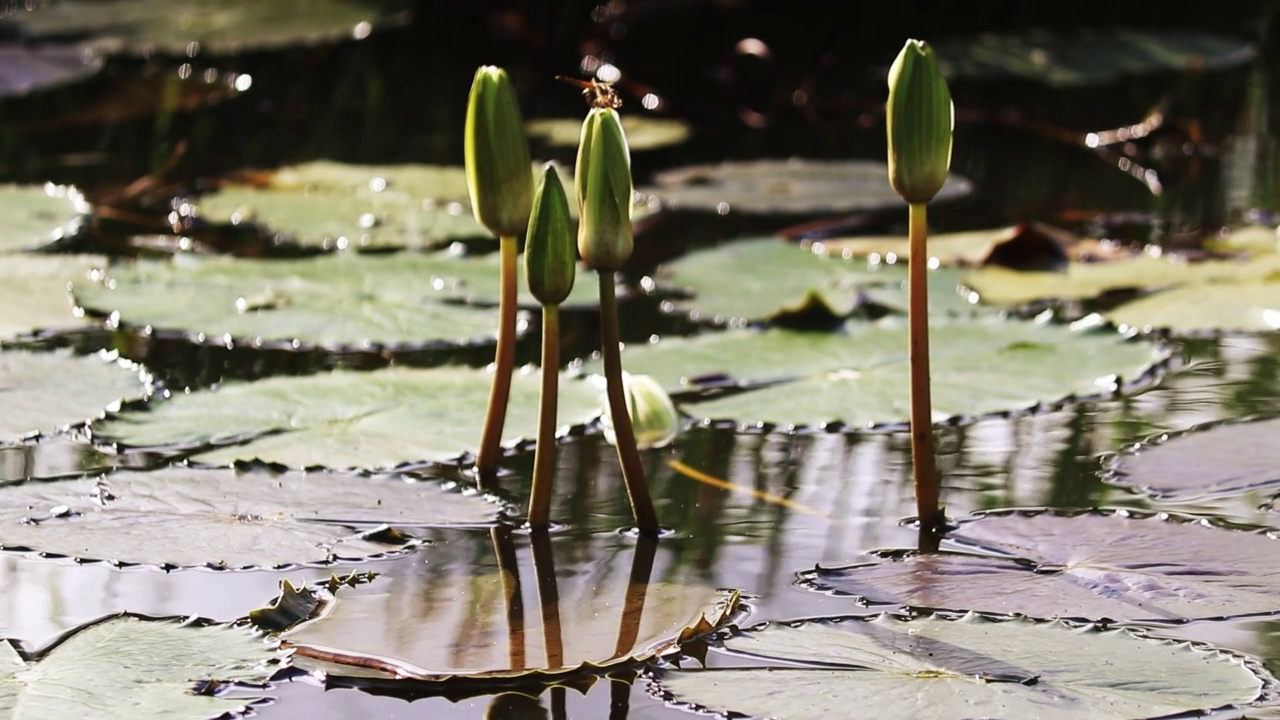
x,y
920,117
603,184
549,255
497,155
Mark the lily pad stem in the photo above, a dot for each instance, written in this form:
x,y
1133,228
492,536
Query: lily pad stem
x,y
504,362
925,472
544,454
628,455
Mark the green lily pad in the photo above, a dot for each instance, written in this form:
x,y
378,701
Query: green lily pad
x,y
1095,565
343,419
859,376
959,248
37,215
132,667
48,392
643,132
202,517
33,291
762,278
183,28
1088,56
1228,459
26,69
785,187
951,668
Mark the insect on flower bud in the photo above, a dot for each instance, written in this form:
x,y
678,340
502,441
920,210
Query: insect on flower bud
x,y
549,252
919,117
603,183
497,155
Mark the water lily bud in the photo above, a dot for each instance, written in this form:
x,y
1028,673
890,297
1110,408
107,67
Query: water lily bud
x,y
497,155
549,256
919,117
603,183
653,416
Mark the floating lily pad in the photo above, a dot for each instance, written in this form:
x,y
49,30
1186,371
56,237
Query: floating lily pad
x,y
785,187
1229,459
1093,565
25,69
859,376
193,517
762,278
1088,56
46,392
132,667
36,215
343,419
643,132
185,27
33,291
943,668
960,248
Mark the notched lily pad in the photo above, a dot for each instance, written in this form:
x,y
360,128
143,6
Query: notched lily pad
x,y
46,392
939,667
33,291
643,132
859,376
1227,459
199,517
784,187
37,215
1113,565
343,419
133,667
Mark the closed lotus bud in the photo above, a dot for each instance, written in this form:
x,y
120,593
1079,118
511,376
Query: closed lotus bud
x,y
549,253
603,183
497,155
653,415
919,117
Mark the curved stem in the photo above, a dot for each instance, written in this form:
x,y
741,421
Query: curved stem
x,y
504,362
628,454
544,454
926,474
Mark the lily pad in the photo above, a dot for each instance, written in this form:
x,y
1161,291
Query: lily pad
x,y
26,69
201,517
36,215
1228,459
1116,565
763,278
785,187
1088,56
959,248
48,392
858,376
643,132
33,291
943,668
343,419
132,667
183,28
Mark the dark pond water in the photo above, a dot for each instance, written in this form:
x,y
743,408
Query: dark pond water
x,y
786,501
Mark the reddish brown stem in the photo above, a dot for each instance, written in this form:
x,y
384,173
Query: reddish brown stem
x,y
504,362
544,454
926,474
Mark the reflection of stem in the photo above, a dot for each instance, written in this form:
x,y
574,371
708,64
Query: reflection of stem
x,y
926,475
619,699
544,454
504,361
548,597
505,550
558,711
637,588
628,455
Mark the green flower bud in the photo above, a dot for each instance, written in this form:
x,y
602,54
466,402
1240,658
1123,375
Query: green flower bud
x,y
549,253
497,155
653,416
603,183
919,117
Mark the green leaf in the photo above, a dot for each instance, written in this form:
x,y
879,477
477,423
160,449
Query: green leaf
x,y
343,419
942,668
951,249
1225,460
33,291
784,187
859,376
193,517
36,215
134,668
1095,565
46,392
643,132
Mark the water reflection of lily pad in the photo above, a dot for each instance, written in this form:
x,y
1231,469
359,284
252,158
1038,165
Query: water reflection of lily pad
x,y
33,291
36,215
1093,565
47,392
25,69
1228,459
859,376
950,668
1087,56
126,666
200,517
187,27
643,132
785,187
342,419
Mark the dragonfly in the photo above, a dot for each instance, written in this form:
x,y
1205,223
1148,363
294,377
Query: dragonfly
x,y
598,94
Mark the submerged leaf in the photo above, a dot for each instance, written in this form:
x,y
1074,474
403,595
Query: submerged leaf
x,y
942,668
190,517
51,391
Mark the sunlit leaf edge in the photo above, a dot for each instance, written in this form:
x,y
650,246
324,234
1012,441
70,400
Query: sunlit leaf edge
x,y
146,392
